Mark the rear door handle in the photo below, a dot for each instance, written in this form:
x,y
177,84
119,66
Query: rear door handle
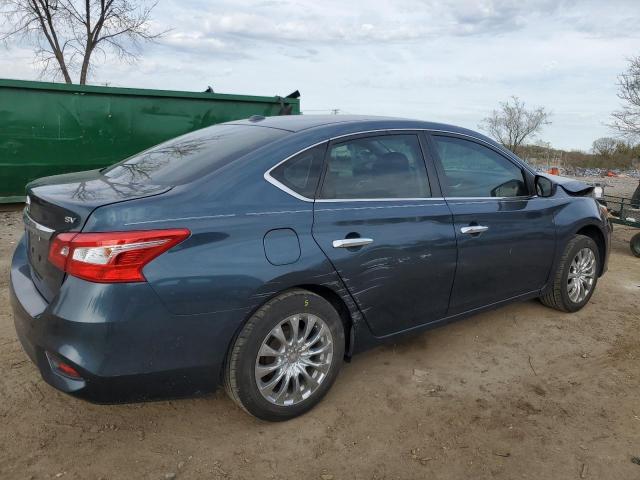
x,y
471,229
352,242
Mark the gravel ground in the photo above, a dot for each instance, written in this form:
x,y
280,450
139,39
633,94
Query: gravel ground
x,y
520,392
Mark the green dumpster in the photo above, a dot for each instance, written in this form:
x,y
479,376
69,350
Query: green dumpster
x,y
51,128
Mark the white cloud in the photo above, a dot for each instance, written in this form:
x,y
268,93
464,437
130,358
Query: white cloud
x,y
445,60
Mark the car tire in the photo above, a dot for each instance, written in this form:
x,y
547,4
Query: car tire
x,y
634,244
571,274
276,347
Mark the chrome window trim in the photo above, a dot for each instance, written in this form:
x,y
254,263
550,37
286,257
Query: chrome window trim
x,y
519,197
378,207
29,222
463,201
416,199
267,175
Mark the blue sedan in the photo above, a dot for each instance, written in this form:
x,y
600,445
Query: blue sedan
x,y
260,254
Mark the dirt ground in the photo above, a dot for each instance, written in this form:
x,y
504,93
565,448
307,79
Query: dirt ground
x,y
521,392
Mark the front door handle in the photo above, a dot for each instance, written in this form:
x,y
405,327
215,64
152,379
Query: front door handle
x,y
471,229
352,242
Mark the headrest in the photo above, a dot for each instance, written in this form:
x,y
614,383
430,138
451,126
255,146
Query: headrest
x,y
393,162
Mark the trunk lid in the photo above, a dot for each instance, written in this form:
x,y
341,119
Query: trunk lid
x,y
63,203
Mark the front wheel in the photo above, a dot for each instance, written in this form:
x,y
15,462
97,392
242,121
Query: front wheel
x,y
635,244
286,357
576,276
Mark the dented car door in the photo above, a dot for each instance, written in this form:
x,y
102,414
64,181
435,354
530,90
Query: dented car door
x,y
384,226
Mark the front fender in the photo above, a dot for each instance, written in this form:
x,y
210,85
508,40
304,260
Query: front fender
x,y
580,214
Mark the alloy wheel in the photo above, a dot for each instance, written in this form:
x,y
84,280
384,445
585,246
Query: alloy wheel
x,y
582,275
294,359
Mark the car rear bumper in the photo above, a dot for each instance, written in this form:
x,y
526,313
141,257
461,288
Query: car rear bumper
x,y
119,337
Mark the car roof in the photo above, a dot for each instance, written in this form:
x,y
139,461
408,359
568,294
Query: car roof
x,y
327,126
297,123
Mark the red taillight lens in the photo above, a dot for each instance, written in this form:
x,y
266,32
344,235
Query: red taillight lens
x,y
62,367
111,256
59,249
68,370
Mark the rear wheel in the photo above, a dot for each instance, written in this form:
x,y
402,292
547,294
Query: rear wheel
x,y
635,244
576,276
286,357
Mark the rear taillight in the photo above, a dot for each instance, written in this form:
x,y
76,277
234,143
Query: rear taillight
x,y
63,368
111,257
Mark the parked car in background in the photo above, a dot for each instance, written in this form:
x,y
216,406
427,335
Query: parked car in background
x,y
261,253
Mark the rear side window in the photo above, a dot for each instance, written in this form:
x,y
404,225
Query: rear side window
x,y
386,166
473,170
301,173
190,156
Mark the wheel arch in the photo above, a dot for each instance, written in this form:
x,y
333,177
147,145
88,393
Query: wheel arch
x,y
594,233
329,294
341,307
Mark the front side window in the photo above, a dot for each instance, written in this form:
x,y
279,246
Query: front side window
x,y
381,167
302,172
473,170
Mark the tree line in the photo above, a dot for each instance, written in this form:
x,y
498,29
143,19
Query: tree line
x,y
515,126
624,156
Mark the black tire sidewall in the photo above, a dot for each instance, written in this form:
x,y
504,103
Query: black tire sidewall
x,y
273,313
580,243
634,244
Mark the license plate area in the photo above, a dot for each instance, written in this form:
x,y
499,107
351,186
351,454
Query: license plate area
x,y
46,277
37,251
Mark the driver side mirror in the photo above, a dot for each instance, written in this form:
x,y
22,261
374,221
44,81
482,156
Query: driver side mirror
x,y
544,186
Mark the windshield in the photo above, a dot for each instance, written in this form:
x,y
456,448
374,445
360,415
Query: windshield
x,y
193,155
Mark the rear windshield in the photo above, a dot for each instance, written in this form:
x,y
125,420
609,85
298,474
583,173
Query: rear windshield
x,y
193,155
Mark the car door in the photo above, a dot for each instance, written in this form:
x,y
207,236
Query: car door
x,y
389,239
506,234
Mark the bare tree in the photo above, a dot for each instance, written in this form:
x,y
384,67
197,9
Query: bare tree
x,y
67,34
512,123
605,147
627,119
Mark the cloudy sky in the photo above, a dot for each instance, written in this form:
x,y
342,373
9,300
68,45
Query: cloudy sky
x,y
446,60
